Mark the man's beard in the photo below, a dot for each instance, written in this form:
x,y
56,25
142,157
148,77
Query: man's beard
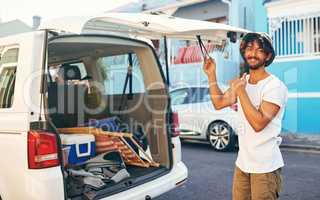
x,y
259,64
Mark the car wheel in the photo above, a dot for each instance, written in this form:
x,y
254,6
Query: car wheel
x,y
221,136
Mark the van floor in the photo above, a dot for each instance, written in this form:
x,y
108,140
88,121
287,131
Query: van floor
x,y
138,175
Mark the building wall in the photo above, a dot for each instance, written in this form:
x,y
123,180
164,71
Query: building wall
x,y
260,16
302,79
192,74
300,74
203,11
249,14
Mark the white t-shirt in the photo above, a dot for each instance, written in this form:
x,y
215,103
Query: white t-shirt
x,y
259,152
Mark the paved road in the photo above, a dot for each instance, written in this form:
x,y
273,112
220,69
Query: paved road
x,y
210,175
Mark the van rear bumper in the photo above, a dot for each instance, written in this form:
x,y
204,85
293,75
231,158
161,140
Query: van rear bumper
x,y
176,177
48,184
44,184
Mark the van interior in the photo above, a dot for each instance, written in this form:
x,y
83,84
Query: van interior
x,y
94,79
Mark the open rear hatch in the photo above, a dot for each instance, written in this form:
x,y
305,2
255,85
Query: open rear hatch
x,y
144,25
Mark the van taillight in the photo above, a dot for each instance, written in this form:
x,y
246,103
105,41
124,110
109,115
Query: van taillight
x,y
42,150
175,124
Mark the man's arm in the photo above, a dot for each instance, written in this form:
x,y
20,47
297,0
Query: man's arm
x,y
218,98
257,118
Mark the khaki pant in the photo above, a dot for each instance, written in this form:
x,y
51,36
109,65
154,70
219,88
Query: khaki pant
x,y
250,186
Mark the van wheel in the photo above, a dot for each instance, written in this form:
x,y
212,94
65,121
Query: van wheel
x,y
221,136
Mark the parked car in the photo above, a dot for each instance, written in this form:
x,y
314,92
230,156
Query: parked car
x,y
199,120
35,106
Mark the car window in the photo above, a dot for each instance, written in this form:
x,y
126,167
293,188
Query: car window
x,y
198,94
115,70
202,94
206,95
8,65
180,96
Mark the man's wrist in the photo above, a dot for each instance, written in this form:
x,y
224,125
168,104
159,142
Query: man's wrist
x,y
212,78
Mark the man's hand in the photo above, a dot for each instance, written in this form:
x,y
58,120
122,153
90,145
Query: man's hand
x,y
238,85
209,67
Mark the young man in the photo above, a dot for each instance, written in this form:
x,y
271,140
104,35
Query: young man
x,y
261,98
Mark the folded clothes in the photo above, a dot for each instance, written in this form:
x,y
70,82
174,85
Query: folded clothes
x,y
108,166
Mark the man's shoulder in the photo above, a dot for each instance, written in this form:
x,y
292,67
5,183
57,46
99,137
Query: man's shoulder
x,y
275,83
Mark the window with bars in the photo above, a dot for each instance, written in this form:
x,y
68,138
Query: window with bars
x,y
296,36
8,65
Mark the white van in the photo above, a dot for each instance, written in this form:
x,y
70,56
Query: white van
x,y
33,110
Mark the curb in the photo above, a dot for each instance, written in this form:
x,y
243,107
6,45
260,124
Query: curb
x,y
301,147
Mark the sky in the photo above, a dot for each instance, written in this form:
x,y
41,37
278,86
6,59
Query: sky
x,y
25,9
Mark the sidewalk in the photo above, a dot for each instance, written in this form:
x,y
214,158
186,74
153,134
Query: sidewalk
x,y
301,141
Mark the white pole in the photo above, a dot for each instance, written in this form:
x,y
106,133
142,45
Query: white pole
x,y
300,36
317,34
281,49
289,36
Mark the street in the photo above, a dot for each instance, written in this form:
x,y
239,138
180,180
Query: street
x,y
210,175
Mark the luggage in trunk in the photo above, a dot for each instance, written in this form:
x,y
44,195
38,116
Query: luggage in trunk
x,y
117,166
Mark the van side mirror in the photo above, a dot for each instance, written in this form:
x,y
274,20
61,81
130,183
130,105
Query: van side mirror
x,y
232,36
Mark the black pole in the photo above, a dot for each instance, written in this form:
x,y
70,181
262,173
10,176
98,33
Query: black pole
x,y
166,58
130,75
43,75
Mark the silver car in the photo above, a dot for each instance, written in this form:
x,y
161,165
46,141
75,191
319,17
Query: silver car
x,y
198,119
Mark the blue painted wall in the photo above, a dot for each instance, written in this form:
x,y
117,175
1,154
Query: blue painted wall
x,y
249,14
302,114
260,16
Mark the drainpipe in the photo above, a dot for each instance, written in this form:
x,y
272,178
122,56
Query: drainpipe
x,y
36,21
